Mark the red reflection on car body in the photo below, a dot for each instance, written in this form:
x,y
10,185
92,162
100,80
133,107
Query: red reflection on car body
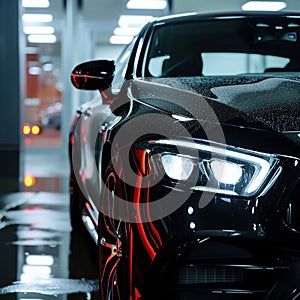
x,y
140,224
72,139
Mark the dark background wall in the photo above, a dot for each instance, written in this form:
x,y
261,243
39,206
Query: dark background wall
x,y
10,96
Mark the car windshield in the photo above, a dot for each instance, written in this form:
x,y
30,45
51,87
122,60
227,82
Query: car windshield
x,y
224,47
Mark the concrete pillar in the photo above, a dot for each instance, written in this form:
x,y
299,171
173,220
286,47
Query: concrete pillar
x,y
69,59
10,96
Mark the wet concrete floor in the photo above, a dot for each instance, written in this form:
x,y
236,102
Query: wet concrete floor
x,y
41,257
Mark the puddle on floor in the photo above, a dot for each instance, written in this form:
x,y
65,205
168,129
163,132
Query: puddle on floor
x,y
52,286
41,257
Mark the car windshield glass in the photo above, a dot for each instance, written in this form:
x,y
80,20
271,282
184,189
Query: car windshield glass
x,y
224,47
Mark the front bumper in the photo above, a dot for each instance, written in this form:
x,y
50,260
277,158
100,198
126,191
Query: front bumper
x,y
231,248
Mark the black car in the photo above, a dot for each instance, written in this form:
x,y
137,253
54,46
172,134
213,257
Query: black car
x,y
185,168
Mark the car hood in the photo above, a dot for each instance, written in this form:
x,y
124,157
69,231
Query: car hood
x,y
260,102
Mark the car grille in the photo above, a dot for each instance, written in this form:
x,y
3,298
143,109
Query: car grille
x,y
227,281
193,274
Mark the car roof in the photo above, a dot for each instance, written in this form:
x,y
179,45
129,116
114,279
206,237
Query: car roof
x,y
197,16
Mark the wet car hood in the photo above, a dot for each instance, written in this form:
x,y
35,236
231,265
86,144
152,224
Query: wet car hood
x,y
262,101
273,101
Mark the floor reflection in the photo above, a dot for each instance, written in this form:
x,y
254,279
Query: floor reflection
x,y
41,257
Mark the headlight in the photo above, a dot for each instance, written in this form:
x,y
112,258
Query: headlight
x,y
176,167
219,168
226,172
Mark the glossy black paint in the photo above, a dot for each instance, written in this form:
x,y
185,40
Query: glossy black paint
x,y
88,77
226,248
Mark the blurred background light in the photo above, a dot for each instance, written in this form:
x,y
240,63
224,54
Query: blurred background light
x,y
146,4
120,39
134,20
264,6
127,30
36,3
29,180
38,29
40,260
42,38
39,18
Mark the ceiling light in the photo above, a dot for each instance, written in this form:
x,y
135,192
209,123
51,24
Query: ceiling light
x,y
146,4
42,18
35,3
34,70
264,6
127,31
38,29
48,67
121,39
42,38
133,20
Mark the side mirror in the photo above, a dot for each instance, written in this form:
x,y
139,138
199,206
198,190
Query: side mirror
x,y
93,75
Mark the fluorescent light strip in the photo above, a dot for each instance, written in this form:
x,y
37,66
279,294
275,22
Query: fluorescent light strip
x,y
146,4
121,39
133,20
127,31
42,38
40,18
38,29
264,6
36,3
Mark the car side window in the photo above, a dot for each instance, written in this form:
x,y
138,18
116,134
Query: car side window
x,y
121,68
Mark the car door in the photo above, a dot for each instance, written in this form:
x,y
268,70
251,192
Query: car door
x,y
90,126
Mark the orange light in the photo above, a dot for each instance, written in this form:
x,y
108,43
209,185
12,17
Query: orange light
x,y
35,130
29,181
26,129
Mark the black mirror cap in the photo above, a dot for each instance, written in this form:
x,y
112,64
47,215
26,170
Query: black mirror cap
x,y
93,75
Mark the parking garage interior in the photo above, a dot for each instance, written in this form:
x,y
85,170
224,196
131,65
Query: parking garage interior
x,y
38,248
